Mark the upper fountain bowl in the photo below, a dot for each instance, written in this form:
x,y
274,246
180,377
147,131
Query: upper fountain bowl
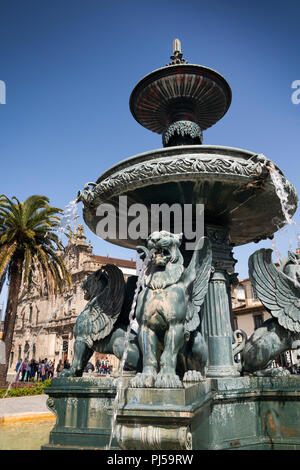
x,y
180,92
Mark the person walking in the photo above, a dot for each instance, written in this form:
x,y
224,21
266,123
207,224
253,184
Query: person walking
x,y
23,370
59,367
38,371
43,371
33,369
67,365
28,372
50,370
18,369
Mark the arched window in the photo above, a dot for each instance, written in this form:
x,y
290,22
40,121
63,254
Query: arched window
x,y
26,348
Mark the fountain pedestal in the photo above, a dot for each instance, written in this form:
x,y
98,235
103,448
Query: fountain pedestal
x,y
83,409
222,413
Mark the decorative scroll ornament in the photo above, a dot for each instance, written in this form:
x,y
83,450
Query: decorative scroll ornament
x,y
153,437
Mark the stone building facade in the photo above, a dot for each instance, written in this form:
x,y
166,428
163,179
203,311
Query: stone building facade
x,y
44,326
248,311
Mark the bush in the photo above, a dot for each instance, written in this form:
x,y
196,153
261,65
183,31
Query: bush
x,y
21,389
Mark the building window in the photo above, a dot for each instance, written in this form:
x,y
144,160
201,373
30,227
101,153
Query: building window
x,y
19,353
254,293
30,314
258,321
26,349
33,351
241,293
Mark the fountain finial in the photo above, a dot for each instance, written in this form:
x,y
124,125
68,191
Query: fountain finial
x,y
176,46
177,54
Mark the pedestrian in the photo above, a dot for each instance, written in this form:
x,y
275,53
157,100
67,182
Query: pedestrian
x,y
38,371
23,370
98,366
47,365
28,372
18,368
33,369
43,371
50,370
59,367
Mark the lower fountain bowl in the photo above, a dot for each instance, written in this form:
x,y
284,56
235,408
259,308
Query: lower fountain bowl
x,y
234,186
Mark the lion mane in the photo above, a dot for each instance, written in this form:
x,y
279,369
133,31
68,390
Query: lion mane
x,y
165,245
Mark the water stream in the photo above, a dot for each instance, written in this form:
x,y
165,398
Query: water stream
x,y
68,216
141,270
286,208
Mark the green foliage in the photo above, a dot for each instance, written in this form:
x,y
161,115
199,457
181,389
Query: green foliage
x,y
28,232
25,390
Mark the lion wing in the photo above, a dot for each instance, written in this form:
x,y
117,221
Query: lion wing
x,y
105,310
279,293
198,288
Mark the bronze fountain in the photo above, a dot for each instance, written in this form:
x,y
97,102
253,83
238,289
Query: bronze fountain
x,y
186,390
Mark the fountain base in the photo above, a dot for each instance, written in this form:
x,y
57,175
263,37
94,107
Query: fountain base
x,y
83,409
218,413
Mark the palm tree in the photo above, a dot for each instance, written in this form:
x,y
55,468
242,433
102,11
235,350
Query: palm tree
x,y
29,247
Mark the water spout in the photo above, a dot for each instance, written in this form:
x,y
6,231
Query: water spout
x,y
69,214
286,208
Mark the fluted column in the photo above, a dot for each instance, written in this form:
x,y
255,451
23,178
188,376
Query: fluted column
x,y
217,321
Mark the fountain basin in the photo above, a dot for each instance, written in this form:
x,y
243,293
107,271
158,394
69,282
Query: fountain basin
x,y
260,413
233,184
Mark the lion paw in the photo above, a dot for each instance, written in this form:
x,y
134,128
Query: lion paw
x,y
192,376
142,380
167,380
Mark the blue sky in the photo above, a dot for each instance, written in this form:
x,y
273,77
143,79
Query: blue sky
x,y
70,66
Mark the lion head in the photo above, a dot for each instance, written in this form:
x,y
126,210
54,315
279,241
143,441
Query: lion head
x,y
94,284
166,264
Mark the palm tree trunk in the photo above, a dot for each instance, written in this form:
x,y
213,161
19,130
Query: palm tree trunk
x,y
11,313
